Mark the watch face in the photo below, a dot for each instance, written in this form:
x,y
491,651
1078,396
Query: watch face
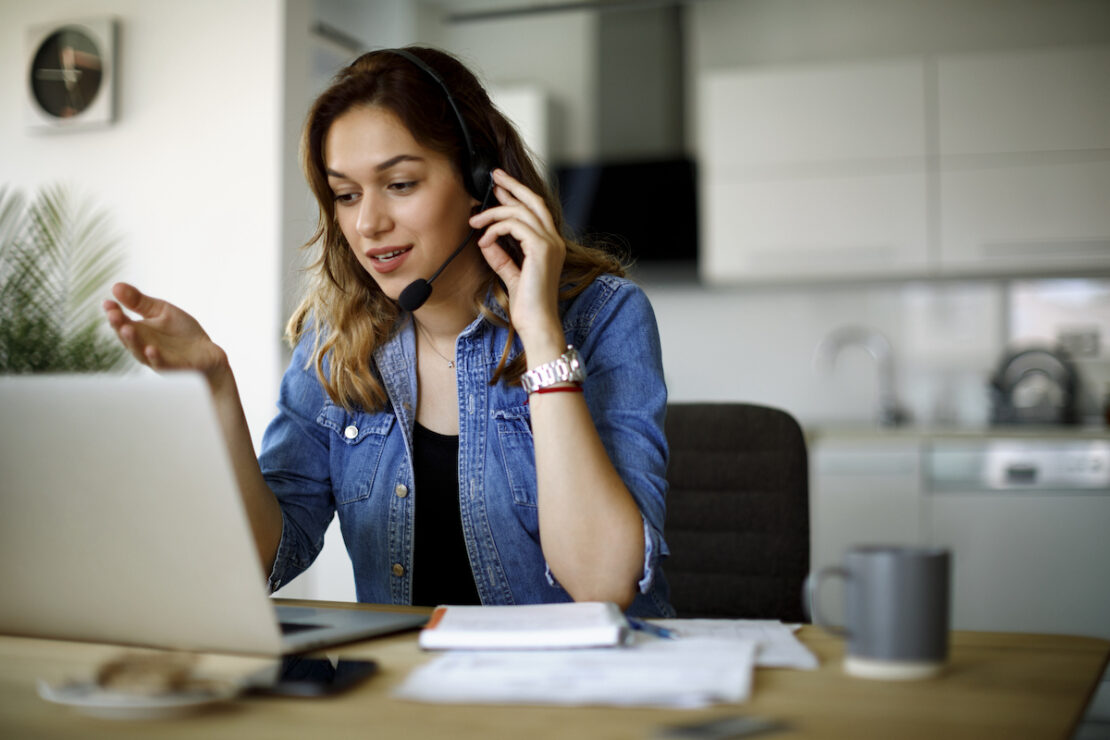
x,y
66,72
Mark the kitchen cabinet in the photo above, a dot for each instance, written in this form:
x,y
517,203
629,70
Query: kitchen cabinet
x,y
815,227
1024,160
1036,100
862,492
1026,518
1027,524
812,172
987,164
1025,217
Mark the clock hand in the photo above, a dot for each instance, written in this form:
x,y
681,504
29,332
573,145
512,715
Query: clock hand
x,y
70,76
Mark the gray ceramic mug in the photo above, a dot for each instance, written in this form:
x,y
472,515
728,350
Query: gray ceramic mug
x,y
896,610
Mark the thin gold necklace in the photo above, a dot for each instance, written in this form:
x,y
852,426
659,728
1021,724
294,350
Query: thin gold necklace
x,y
450,363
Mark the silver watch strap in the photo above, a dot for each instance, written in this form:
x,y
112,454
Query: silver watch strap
x,y
567,368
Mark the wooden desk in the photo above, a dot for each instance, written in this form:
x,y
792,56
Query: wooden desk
x,y
998,685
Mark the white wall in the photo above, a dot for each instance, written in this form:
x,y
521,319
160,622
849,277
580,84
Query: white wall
x,y
555,54
759,345
378,23
191,172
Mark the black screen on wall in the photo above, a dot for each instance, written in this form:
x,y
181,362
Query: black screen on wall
x,y
649,208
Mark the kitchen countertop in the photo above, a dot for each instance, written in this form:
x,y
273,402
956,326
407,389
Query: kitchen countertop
x,y
864,432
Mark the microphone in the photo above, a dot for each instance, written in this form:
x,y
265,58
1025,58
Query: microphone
x,y
416,292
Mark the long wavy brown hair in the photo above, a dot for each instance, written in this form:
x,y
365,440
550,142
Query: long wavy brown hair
x,y
349,313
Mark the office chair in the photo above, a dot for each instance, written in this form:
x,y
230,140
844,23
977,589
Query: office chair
x,y
737,511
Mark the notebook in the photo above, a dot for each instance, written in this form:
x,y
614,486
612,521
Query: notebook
x,y
525,627
120,522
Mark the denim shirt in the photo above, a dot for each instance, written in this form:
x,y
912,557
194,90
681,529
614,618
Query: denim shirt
x,y
320,459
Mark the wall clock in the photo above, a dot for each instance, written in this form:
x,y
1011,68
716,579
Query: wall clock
x,y
70,68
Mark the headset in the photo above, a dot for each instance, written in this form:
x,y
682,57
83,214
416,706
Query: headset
x,y
477,175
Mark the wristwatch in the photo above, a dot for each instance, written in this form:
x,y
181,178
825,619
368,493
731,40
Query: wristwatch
x,y
568,368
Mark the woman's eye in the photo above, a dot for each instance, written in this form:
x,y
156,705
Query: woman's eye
x,y
345,197
402,187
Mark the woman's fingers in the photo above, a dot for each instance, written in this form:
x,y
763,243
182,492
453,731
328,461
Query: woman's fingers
x,y
164,337
154,357
501,213
114,313
501,263
523,215
523,232
128,336
533,286
535,214
524,195
135,300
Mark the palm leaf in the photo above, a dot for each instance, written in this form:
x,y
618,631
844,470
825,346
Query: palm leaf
x,y
56,260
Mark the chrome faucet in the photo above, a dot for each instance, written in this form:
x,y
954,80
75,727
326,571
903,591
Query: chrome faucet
x,y
891,412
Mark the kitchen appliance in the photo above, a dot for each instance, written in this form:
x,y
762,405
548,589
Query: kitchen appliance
x,y
1035,385
1026,518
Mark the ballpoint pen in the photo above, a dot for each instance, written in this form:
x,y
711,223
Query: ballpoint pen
x,y
641,625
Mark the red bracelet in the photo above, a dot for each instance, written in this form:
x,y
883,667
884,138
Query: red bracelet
x,y
558,389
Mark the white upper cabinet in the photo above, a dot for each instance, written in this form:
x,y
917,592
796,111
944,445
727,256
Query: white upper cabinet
x,y
959,164
814,115
1025,218
813,171
1024,170
1040,100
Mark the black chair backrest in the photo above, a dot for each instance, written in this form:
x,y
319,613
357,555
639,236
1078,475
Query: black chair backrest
x,y
737,511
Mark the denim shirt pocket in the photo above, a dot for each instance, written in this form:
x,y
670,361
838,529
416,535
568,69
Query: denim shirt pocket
x,y
518,452
357,441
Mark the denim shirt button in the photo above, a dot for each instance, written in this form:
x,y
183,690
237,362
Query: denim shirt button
x,y
401,490
398,570
350,432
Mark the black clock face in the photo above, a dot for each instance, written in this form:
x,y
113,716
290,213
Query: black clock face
x,y
66,73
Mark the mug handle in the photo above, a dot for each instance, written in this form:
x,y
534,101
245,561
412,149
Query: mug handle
x,y
812,584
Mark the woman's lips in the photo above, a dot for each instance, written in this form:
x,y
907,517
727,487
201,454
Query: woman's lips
x,y
387,259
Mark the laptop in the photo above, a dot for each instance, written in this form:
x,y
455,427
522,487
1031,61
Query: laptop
x,y
120,522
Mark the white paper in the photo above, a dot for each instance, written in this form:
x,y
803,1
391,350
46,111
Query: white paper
x,y
681,673
778,646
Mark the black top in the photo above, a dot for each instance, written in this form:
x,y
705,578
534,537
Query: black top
x,y
441,567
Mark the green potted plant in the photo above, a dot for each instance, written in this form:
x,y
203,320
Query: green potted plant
x,y
57,260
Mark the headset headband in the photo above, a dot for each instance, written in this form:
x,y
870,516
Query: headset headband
x,y
477,173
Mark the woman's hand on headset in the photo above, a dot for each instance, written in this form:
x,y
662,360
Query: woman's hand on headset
x,y
533,286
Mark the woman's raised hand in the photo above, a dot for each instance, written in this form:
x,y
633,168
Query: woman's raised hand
x,y
534,286
165,337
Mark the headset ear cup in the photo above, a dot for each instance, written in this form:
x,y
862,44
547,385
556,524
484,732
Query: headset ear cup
x,y
481,179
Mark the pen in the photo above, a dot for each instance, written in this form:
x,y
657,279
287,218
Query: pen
x,y
652,629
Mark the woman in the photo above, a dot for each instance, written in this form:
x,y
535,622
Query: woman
x,y
452,483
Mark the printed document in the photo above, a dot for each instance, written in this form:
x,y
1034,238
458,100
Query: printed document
x,y
778,646
649,671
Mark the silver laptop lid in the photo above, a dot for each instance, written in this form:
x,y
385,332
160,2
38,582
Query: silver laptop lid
x,y
120,520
